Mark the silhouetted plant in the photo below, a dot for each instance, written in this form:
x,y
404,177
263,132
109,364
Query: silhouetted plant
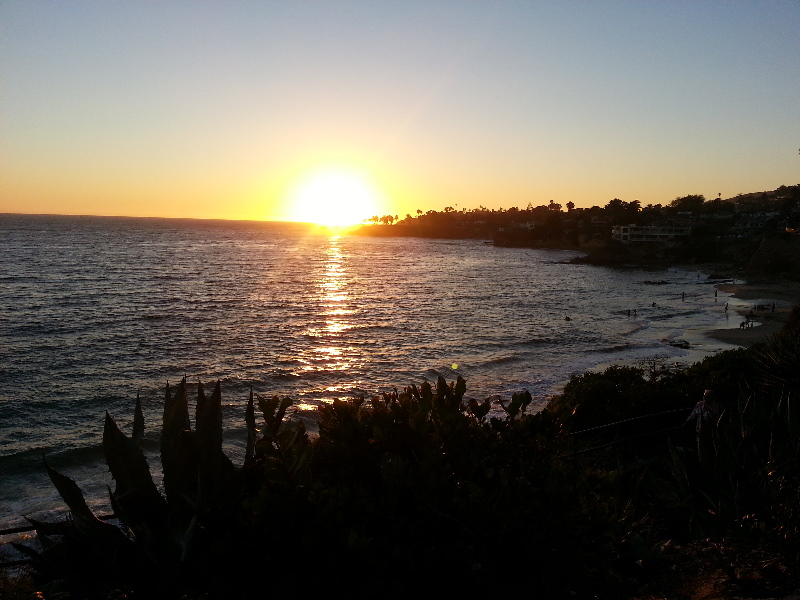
x,y
193,536
425,483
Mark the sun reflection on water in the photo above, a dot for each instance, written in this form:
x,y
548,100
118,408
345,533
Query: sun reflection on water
x,y
334,312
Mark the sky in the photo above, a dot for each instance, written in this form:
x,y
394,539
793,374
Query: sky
x,y
237,109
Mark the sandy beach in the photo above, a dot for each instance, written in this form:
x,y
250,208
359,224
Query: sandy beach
x,y
784,295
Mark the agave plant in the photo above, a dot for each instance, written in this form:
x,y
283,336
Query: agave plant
x,y
779,362
166,541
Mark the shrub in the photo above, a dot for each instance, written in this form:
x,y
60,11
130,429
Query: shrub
x,y
425,485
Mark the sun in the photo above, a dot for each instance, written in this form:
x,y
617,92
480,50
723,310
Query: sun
x,y
334,196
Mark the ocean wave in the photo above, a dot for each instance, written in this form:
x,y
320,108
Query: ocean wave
x,y
613,349
32,459
542,341
500,360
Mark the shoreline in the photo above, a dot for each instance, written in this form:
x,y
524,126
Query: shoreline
x,y
784,295
744,298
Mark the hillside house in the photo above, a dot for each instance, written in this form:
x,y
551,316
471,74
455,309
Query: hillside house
x,y
629,234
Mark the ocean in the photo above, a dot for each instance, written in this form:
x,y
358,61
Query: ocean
x,y
95,310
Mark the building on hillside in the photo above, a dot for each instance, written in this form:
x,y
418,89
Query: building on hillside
x,y
628,234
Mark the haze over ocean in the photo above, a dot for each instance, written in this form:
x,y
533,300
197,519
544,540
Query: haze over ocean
x,y
94,310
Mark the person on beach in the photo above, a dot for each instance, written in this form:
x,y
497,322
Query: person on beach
x,y
683,296
726,307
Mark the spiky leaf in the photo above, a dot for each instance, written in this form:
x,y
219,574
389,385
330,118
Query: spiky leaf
x,y
250,420
46,528
215,469
285,403
202,404
274,409
178,456
29,552
85,521
176,413
138,422
136,496
70,493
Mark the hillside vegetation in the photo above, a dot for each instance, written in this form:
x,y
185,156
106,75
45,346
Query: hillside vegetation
x,y
423,489
748,231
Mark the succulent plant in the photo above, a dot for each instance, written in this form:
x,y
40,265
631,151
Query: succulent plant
x,y
164,540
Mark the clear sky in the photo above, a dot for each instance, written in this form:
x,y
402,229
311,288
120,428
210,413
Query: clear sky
x,y
233,109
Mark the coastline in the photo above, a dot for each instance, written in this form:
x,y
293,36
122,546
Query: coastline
x,y
783,294
743,298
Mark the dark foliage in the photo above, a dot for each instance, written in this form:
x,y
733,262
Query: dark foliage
x,y
422,489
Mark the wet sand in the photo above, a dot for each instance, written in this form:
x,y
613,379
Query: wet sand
x,y
784,294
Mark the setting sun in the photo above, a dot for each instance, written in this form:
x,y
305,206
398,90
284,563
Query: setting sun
x,y
334,197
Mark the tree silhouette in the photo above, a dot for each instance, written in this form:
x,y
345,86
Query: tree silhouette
x,y
690,203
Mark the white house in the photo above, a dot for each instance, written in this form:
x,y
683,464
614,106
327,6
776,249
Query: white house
x,y
628,234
